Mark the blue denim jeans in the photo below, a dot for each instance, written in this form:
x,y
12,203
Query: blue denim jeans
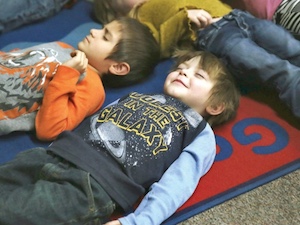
x,y
39,188
257,52
14,13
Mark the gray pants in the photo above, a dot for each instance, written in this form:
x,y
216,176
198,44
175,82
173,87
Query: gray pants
x,y
14,13
39,188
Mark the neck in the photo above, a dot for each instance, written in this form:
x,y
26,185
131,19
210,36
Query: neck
x,y
95,70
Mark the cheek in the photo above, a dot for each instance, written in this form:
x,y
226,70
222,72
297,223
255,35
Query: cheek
x,y
166,84
201,86
171,76
200,93
80,46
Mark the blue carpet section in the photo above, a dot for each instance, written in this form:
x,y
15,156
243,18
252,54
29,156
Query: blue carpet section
x,y
71,26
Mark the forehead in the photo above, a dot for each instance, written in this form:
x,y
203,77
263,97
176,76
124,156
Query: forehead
x,y
113,31
113,27
194,62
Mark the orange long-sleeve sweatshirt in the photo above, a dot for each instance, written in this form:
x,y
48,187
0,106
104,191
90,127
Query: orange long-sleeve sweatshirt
x,y
38,92
66,102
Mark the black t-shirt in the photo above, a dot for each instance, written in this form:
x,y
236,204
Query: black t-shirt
x,y
128,146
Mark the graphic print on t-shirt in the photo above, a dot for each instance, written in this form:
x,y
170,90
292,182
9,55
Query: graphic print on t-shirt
x,y
143,126
23,78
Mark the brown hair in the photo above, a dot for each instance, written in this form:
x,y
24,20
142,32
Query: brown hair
x,y
104,12
138,48
224,90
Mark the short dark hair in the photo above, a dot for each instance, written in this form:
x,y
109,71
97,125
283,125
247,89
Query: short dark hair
x,y
138,48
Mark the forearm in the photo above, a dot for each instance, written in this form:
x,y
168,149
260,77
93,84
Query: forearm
x,y
176,185
66,103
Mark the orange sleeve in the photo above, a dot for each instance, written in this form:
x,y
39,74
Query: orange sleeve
x,y
66,102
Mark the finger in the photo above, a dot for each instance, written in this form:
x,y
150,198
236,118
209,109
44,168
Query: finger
x,y
196,22
205,14
215,19
81,55
205,21
206,17
85,63
201,21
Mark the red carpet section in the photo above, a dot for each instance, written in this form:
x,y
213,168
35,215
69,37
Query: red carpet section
x,y
264,139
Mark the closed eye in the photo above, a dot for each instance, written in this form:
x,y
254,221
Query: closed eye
x,y
107,34
200,75
105,38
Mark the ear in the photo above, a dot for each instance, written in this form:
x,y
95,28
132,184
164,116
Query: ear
x,y
119,69
214,110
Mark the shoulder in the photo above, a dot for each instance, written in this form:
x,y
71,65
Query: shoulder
x,y
205,140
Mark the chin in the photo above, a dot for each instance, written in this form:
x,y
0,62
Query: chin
x,y
79,46
173,94
173,91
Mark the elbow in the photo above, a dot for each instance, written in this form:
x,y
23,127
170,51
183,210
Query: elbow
x,y
44,134
45,137
48,131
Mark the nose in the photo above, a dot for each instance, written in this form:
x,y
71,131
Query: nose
x,y
183,73
93,32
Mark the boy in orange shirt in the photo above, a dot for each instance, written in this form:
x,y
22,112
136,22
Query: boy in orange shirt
x,y
43,88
